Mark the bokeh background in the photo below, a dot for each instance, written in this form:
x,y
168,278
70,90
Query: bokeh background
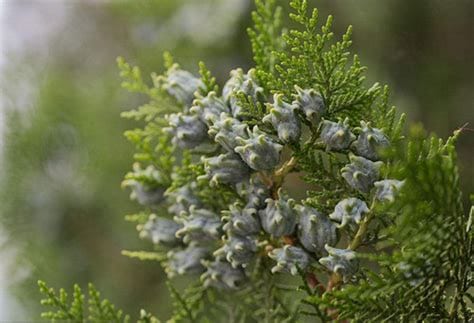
x,y
63,154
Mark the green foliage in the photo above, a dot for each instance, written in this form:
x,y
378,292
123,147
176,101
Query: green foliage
x,y
313,60
266,292
207,79
132,76
145,255
265,35
252,112
309,59
425,260
188,305
65,311
322,169
265,300
98,310
153,146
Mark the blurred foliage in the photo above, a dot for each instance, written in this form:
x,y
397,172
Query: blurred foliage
x,y
65,156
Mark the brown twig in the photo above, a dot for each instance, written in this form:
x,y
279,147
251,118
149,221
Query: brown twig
x,y
280,174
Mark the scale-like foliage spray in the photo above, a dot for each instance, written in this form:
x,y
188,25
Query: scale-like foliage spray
x,y
381,224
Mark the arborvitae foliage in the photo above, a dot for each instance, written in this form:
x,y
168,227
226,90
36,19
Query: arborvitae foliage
x,y
76,310
381,234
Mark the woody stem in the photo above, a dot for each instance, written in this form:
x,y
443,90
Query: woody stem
x,y
280,173
336,280
359,236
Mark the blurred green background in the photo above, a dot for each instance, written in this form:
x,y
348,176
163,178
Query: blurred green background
x,y
63,154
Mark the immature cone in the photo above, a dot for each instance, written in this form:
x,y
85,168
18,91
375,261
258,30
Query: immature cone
x,y
148,195
361,173
226,130
279,217
220,274
225,169
238,250
147,185
237,77
349,210
198,225
370,141
209,108
289,259
187,130
310,102
259,151
254,192
180,84
182,198
186,261
284,120
315,230
160,231
241,83
336,135
241,221
387,189
341,261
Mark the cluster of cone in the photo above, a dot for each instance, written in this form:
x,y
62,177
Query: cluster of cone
x,y
222,244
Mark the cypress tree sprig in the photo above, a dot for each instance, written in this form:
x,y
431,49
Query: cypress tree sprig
x,y
433,243
73,312
381,234
188,304
96,310
352,131
145,255
208,80
265,36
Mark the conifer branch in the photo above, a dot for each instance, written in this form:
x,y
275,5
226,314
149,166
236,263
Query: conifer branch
x,y
209,176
